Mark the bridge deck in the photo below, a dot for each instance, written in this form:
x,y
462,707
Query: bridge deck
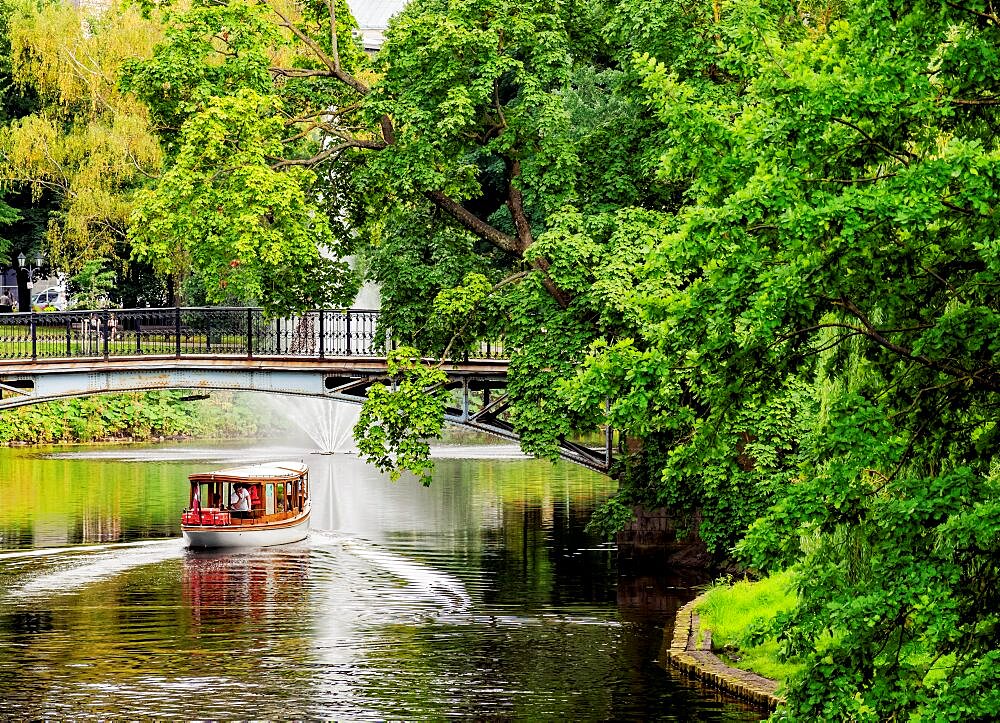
x,y
365,364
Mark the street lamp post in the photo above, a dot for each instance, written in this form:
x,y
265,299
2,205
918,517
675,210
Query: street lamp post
x,y
30,285
21,258
29,270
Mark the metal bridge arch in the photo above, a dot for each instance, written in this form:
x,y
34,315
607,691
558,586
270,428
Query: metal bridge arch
x,y
323,354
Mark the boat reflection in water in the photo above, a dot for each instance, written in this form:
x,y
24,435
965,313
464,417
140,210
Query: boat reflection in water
x,y
253,506
237,593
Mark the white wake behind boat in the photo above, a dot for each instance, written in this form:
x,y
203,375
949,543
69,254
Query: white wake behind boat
x,y
253,506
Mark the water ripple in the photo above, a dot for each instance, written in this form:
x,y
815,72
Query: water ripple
x,y
480,597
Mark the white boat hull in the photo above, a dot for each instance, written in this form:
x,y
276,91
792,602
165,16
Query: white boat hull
x,y
246,536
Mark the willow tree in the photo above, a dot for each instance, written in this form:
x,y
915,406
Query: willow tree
x,y
86,144
12,105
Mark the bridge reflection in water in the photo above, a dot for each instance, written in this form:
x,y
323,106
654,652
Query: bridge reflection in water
x,y
327,354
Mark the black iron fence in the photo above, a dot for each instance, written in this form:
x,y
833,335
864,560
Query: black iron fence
x,y
198,331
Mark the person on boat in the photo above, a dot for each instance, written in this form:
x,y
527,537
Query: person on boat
x,y
242,502
254,497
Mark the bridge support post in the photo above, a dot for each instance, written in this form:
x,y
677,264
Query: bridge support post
x,y
34,336
107,332
249,333
177,332
348,332
322,334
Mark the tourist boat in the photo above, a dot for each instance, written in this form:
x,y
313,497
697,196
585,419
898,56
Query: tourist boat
x,y
277,495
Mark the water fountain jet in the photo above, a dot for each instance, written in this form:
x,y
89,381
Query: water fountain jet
x,y
329,423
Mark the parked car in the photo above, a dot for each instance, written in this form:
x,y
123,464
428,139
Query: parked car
x,y
51,299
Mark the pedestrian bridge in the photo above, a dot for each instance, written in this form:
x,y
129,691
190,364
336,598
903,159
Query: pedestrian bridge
x,y
334,355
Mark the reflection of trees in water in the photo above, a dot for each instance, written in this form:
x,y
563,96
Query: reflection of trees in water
x,y
70,501
78,638
530,529
16,534
19,631
96,527
659,594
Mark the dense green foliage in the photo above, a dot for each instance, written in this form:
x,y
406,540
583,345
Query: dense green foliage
x,y
242,112
135,416
841,232
758,239
402,419
799,309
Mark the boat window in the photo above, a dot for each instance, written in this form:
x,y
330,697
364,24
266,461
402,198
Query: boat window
x,y
269,499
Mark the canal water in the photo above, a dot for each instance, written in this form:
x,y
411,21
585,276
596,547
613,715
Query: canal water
x,y
478,597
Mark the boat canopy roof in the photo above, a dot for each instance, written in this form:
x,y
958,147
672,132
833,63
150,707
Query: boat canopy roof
x,y
265,472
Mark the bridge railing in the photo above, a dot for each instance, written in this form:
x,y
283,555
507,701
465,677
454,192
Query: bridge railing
x,y
197,331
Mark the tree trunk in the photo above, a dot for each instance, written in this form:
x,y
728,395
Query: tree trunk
x,y
23,292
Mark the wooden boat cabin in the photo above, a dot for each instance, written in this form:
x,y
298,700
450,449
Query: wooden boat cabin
x,y
255,498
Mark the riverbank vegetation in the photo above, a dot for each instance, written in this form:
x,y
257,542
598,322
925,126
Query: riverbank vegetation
x,y
740,616
757,239
134,417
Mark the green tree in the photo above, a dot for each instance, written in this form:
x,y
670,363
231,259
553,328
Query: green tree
x,y
840,233
8,215
250,103
92,284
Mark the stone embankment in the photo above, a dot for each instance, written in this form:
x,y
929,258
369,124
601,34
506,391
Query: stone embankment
x,y
695,657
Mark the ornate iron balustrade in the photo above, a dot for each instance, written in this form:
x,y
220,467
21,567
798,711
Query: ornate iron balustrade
x,y
198,331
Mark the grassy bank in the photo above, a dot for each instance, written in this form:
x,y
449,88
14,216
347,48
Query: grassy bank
x,y
133,416
739,616
738,613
